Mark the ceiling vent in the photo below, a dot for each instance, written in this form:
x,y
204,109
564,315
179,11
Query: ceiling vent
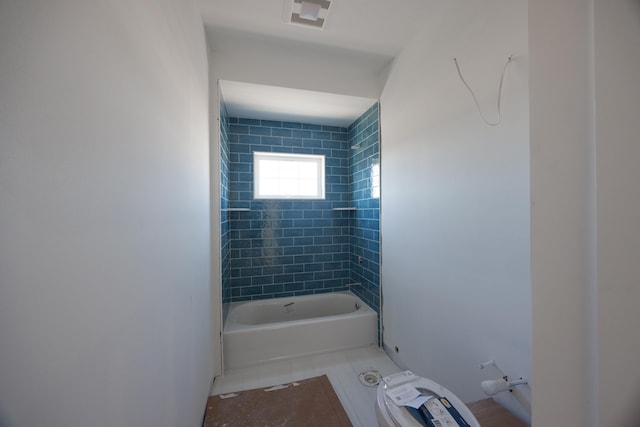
x,y
310,13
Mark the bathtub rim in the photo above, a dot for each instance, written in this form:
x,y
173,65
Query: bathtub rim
x,y
253,345
233,327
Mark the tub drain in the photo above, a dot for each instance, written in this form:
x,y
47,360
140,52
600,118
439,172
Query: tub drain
x,y
370,378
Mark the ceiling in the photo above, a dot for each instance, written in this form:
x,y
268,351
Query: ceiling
x,y
375,26
276,103
379,28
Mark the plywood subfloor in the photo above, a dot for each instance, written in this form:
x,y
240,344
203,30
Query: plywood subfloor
x,y
491,414
342,368
311,402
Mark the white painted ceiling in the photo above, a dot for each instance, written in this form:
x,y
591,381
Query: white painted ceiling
x,y
379,28
277,103
374,26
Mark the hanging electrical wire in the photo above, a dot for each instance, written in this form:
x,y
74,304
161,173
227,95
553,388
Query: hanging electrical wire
x,y
504,69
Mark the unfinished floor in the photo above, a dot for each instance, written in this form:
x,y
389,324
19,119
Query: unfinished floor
x,y
343,368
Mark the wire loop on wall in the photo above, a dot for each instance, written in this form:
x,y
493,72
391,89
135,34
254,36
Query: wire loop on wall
x,y
504,69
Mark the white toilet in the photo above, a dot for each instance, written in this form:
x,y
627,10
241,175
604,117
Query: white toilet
x,y
391,415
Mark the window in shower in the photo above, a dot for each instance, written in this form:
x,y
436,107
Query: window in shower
x,y
375,180
288,176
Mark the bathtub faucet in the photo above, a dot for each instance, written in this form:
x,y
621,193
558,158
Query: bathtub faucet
x,y
288,307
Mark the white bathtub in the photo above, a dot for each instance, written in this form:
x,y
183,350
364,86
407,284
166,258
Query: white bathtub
x,y
259,331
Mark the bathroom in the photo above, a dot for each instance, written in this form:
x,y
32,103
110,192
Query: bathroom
x,y
276,250
454,229
514,242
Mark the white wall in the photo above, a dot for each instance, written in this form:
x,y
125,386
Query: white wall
x,y
584,136
216,220
455,201
562,213
285,63
104,215
617,90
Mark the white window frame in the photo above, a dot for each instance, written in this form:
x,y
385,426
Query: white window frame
x,y
318,160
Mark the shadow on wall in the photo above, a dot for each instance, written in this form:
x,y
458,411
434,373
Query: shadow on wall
x,y
4,421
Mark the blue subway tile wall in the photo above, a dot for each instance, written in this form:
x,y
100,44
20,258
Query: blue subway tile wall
x,y
225,247
364,161
283,248
293,247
